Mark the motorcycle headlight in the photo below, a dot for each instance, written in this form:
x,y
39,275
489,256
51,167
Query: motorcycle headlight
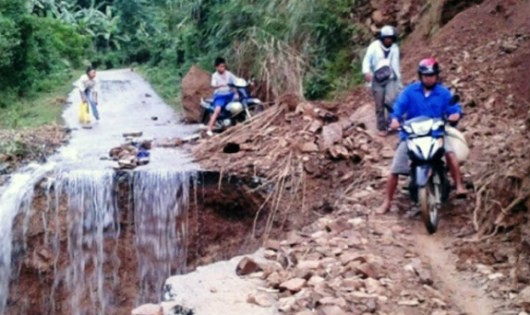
x,y
422,128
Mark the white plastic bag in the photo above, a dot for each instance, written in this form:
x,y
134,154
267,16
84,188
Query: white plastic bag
x,y
456,140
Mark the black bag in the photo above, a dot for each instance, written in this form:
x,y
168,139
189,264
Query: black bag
x,y
382,74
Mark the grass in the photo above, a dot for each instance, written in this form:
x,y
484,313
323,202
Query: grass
x,y
166,83
42,108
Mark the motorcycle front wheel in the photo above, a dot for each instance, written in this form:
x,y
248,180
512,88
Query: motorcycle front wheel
x,y
429,198
205,116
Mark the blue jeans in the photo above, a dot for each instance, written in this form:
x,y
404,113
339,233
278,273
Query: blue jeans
x,y
89,96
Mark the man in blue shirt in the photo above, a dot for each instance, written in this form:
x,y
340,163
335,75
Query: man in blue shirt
x,y
424,98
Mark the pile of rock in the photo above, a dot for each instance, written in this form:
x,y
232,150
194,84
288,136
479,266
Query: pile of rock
x,y
341,265
132,153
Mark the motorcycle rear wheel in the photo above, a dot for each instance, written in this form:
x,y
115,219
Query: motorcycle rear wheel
x,y
429,206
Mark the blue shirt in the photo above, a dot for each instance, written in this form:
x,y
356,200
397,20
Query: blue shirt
x,y
413,102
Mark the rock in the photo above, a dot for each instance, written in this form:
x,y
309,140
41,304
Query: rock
x,y
338,152
272,244
425,276
308,264
45,254
309,147
327,116
4,168
331,135
286,304
496,276
352,284
373,286
371,305
127,163
274,279
333,310
387,153
260,299
378,18
315,280
315,126
247,266
293,285
509,46
195,85
523,299
348,257
328,300
148,309
312,167
368,271
411,303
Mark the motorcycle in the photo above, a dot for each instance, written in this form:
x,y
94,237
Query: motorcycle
x,y
429,185
240,109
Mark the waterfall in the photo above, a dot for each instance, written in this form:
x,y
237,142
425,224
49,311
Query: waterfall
x,y
16,196
91,224
82,228
161,227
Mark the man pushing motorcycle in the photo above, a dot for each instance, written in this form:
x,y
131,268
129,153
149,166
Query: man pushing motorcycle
x,y
427,98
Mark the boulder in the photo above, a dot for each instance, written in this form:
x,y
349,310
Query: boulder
x,y
195,85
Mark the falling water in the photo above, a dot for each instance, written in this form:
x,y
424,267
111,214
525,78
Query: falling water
x,y
15,197
161,226
92,220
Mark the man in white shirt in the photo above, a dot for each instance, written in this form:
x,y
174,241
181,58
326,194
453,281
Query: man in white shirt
x,y
223,93
381,68
88,89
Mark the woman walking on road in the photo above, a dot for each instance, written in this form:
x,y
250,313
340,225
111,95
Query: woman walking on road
x,y
381,68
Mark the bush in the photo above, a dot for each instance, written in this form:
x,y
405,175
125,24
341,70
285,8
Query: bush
x,y
37,53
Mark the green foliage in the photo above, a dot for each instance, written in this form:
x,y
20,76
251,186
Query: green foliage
x,y
295,46
37,52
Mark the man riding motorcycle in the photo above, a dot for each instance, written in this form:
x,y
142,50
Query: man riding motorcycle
x,y
425,98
